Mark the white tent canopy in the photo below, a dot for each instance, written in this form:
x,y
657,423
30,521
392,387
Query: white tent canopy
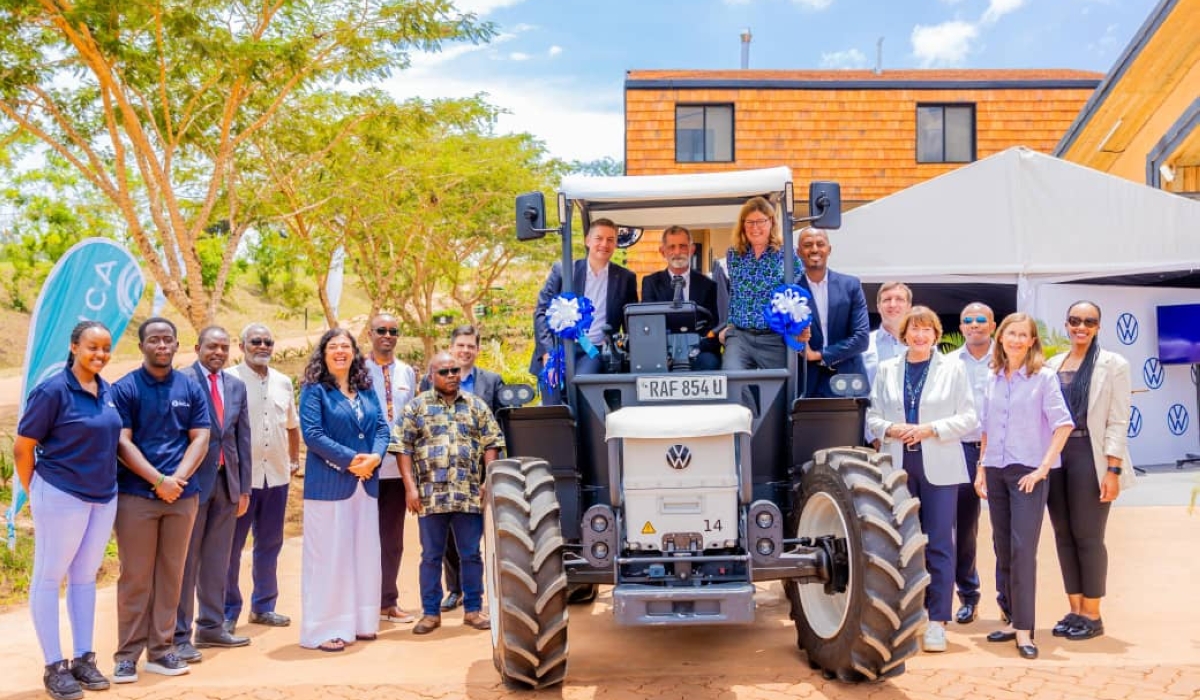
x,y
1019,217
658,201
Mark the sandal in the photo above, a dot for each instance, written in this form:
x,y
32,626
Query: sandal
x,y
335,644
366,637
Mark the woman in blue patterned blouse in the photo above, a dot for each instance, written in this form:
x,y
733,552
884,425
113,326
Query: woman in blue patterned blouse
x,y
755,265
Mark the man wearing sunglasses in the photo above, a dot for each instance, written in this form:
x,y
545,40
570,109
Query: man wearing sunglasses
x,y
394,383
275,457
447,438
977,323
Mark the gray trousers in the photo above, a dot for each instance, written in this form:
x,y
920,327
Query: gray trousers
x,y
152,538
746,349
207,567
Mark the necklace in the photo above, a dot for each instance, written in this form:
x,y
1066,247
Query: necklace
x,y
913,387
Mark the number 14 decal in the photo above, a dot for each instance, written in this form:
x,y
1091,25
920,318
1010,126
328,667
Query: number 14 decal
x,y
710,526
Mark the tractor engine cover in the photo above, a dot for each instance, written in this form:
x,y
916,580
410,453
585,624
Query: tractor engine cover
x,y
679,474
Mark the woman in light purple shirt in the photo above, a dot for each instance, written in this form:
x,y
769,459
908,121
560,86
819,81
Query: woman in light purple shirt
x,y
1025,424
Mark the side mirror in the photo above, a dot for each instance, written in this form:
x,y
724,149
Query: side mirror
x,y
531,216
825,205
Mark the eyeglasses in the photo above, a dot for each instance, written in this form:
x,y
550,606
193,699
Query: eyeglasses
x,y
265,342
975,319
1076,321
449,371
758,222
387,331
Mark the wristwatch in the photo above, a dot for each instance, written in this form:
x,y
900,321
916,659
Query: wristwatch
x,y
1114,470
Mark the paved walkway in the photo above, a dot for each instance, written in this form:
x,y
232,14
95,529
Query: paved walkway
x,y
1152,649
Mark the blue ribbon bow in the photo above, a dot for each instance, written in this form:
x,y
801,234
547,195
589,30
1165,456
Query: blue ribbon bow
x,y
789,313
569,317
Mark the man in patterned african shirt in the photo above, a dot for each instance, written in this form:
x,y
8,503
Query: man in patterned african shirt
x,y
447,438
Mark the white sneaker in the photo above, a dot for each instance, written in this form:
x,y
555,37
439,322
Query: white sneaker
x,y
935,638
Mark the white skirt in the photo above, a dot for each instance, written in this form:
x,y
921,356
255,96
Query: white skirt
x,y
340,576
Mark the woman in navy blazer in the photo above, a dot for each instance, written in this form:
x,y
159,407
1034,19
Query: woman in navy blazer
x,y
347,435
921,407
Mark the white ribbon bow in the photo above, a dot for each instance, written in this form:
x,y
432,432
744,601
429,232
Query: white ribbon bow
x,y
793,305
563,314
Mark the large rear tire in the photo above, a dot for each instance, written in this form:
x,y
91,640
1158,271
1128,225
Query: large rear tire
x,y
526,579
868,630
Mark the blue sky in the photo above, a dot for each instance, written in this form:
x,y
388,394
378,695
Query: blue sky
x,y
558,66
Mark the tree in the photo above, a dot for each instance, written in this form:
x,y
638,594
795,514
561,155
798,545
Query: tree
x,y
154,101
437,227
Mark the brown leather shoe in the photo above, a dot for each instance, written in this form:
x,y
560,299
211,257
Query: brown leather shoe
x,y
427,624
477,620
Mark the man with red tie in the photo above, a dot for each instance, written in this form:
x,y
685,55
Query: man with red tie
x,y
224,479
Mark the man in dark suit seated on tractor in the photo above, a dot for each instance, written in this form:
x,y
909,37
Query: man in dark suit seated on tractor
x,y
679,282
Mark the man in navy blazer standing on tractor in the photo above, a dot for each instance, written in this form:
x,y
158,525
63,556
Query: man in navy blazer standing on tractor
x,y
607,285
840,334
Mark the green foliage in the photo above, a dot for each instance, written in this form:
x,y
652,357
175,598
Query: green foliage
x,y
606,166
1053,342
951,342
16,569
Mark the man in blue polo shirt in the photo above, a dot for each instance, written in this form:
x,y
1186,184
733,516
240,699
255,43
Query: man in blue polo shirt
x,y
164,437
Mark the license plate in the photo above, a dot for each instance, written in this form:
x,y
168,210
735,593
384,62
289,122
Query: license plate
x,y
685,387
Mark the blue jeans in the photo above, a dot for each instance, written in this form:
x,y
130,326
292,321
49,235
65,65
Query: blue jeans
x,y
468,531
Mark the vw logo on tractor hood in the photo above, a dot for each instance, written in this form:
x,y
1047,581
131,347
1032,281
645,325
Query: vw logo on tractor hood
x,y
678,457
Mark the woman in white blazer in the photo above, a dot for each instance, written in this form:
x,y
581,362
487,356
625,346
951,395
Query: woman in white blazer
x,y
921,407
1095,467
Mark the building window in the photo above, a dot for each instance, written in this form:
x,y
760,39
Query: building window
x,y
946,133
704,133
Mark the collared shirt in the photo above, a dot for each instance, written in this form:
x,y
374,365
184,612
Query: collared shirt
x,y
1020,414
820,295
160,414
978,374
403,381
467,383
596,289
751,282
271,404
881,346
447,442
77,436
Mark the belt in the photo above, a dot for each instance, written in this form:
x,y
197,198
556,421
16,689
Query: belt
x,y
755,331
1079,432
915,447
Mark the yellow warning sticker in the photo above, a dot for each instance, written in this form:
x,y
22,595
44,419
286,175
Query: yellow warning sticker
x,y
648,529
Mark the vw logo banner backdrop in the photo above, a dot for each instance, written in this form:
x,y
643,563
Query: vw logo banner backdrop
x,y
1163,425
97,279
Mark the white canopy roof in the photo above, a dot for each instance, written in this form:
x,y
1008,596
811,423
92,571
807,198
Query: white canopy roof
x,y
658,201
1019,217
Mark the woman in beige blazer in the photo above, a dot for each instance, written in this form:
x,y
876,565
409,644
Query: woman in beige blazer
x,y
921,407
1095,466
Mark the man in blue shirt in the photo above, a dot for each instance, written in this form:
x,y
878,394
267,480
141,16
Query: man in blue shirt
x,y
164,437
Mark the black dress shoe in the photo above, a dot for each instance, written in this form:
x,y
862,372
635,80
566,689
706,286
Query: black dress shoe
x,y
1064,625
221,639
966,614
1001,636
229,626
270,619
1085,628
188,653
1027,651
452,601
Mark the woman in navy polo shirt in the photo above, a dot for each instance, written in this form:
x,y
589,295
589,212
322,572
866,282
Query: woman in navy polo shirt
x,y
66,457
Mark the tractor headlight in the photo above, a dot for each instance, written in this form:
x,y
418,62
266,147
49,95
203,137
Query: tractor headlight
x,y
764,519
766,547
599,523
600,550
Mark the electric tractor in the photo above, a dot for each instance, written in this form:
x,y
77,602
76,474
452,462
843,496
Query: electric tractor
x,y
683,490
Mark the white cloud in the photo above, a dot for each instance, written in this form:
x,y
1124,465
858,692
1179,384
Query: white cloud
x,y
998,8
813,4
518,56
944,44
850,58
550,110
1107,43
554,50
484,7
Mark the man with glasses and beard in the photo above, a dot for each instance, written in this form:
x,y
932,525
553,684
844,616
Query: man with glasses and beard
x,y
394,383
680,281
275,457
447,438
977,323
